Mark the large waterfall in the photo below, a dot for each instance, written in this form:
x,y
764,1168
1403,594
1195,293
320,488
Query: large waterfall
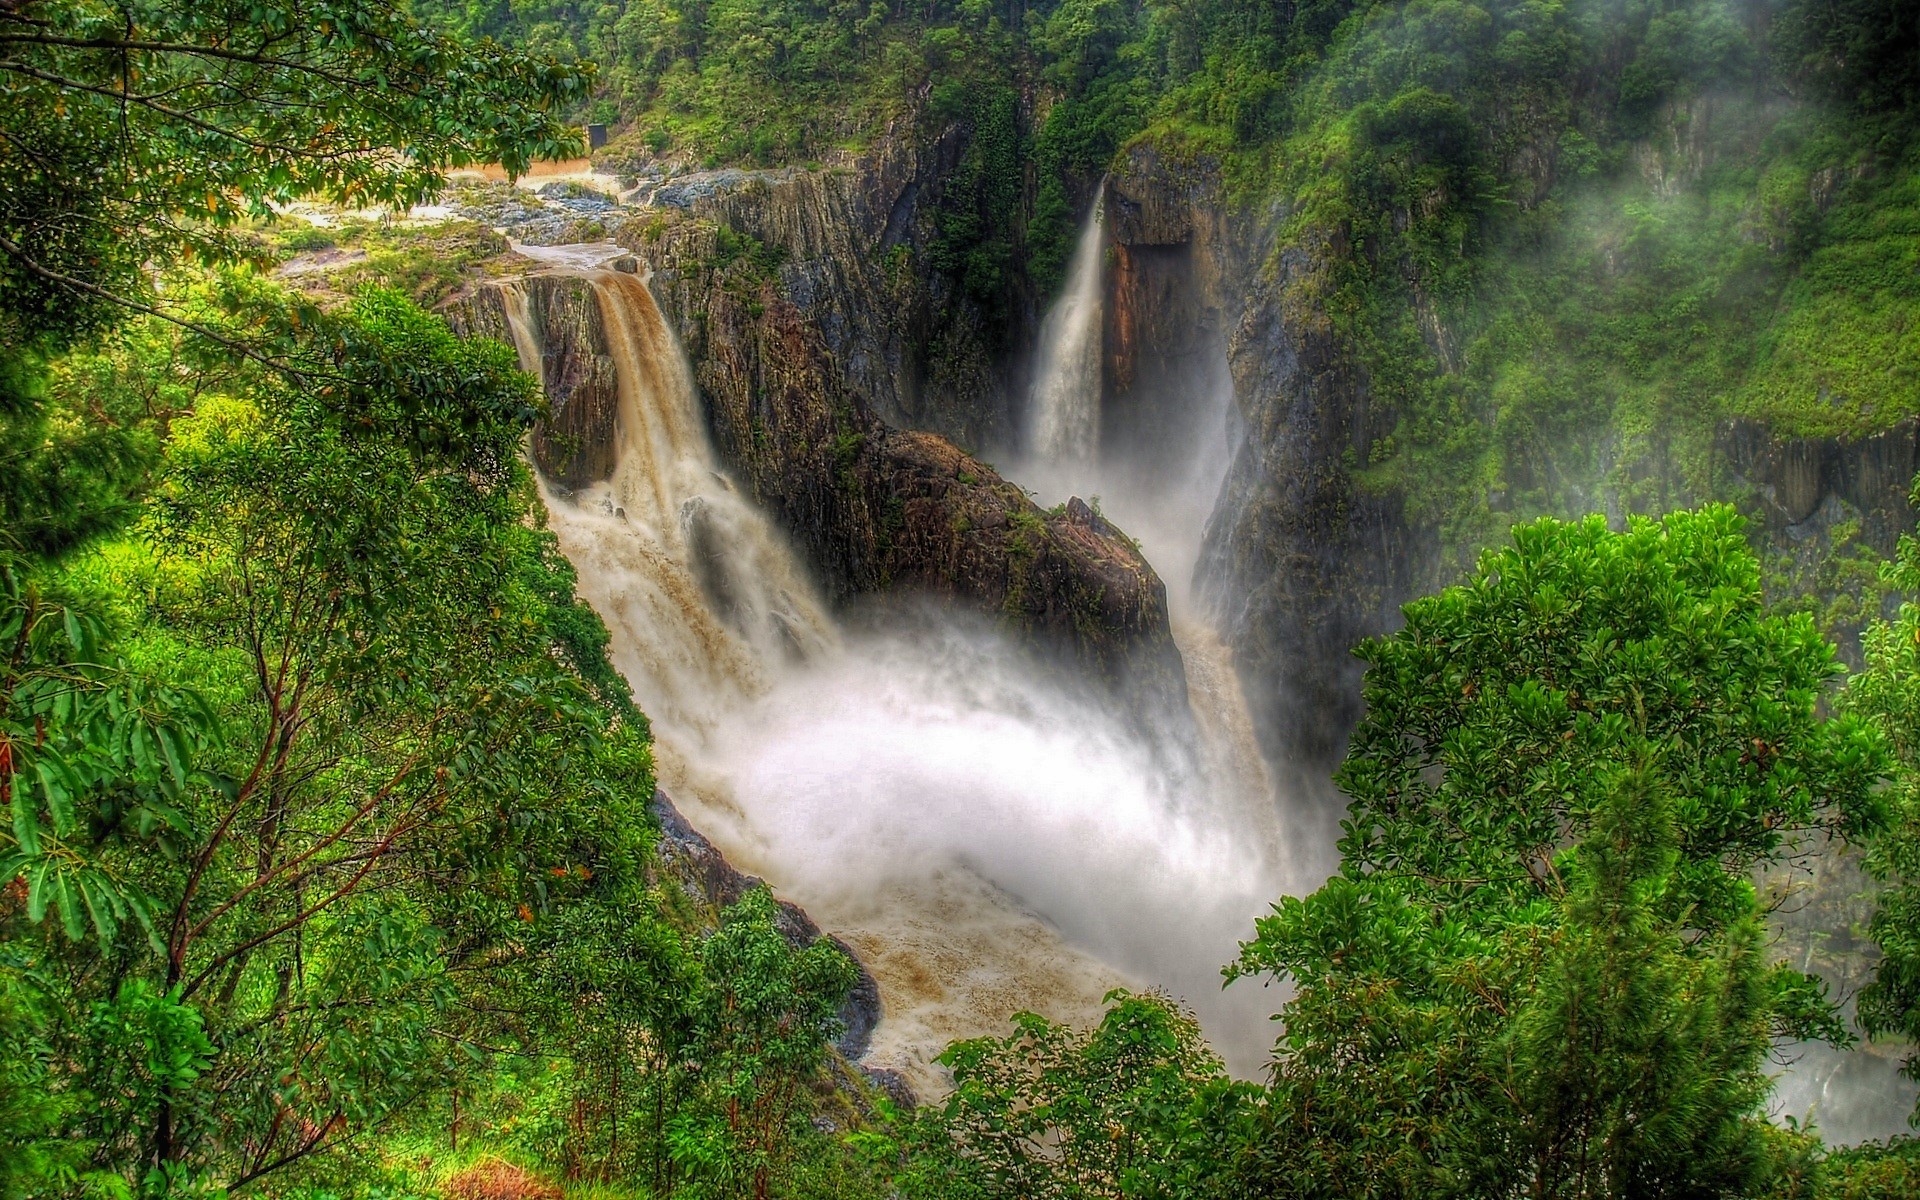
x,y
1064,404
981,830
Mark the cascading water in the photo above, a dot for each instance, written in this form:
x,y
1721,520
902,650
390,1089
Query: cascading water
x,y
983,832
1064,403
1166,509
701,595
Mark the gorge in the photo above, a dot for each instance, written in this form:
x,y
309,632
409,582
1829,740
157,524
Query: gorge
x,y
985,832
968,600
978,817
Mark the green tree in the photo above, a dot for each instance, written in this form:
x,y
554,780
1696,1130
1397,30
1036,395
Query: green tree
x,y
1888,693
1539,970
761,1029
410,765
141,131
1135,1107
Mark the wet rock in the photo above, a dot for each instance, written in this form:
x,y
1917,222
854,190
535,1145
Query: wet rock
x,y
576,443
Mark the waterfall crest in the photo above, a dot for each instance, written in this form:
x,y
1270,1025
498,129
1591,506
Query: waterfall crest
x,y
1064,403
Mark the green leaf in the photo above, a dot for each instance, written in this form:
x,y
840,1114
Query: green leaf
x,y
26,822
55,781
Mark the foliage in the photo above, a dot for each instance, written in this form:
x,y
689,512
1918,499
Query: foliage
x,y
1888,693
334,839
1541,968
690,1071
1137,1106
1874,1172
31,1110
143,130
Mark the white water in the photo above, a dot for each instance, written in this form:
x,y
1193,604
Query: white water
x,y
1064,403
983,833
702,596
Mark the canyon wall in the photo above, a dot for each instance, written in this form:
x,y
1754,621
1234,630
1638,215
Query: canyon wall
x,y
1301,560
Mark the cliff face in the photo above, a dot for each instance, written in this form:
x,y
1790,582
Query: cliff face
x,y
1297,564
1167,312
574,445
1301,561
849,248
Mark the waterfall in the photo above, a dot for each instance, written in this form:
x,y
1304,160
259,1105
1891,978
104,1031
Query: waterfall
x,y
979,826
1064,403
513,301
703,597
1166,510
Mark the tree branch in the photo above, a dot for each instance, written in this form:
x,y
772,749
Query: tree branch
x,y
112,297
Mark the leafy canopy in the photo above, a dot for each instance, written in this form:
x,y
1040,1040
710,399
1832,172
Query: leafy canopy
x,y
139,131
1541,969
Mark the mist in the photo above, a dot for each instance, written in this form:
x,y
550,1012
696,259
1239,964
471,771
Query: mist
x,y
929,755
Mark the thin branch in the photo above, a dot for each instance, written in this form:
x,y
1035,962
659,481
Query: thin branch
x,y
112,297
260,881
301,918
199,51
292,1156
20,68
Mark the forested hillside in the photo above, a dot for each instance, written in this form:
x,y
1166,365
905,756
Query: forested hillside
x,y
334,865
1557,246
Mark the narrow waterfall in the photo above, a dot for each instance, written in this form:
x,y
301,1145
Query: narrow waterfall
x,y
1165,510
983,832
1064,403
513,300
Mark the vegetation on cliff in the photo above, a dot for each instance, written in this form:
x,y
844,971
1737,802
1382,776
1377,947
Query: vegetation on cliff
x,y
1559,242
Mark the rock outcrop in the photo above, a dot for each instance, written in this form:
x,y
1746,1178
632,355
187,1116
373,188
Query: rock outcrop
x,y
1801,487
877,507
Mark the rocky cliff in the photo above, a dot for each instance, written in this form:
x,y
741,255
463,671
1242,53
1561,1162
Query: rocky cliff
x,y
797,354
850,248
1302,560
1297,564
